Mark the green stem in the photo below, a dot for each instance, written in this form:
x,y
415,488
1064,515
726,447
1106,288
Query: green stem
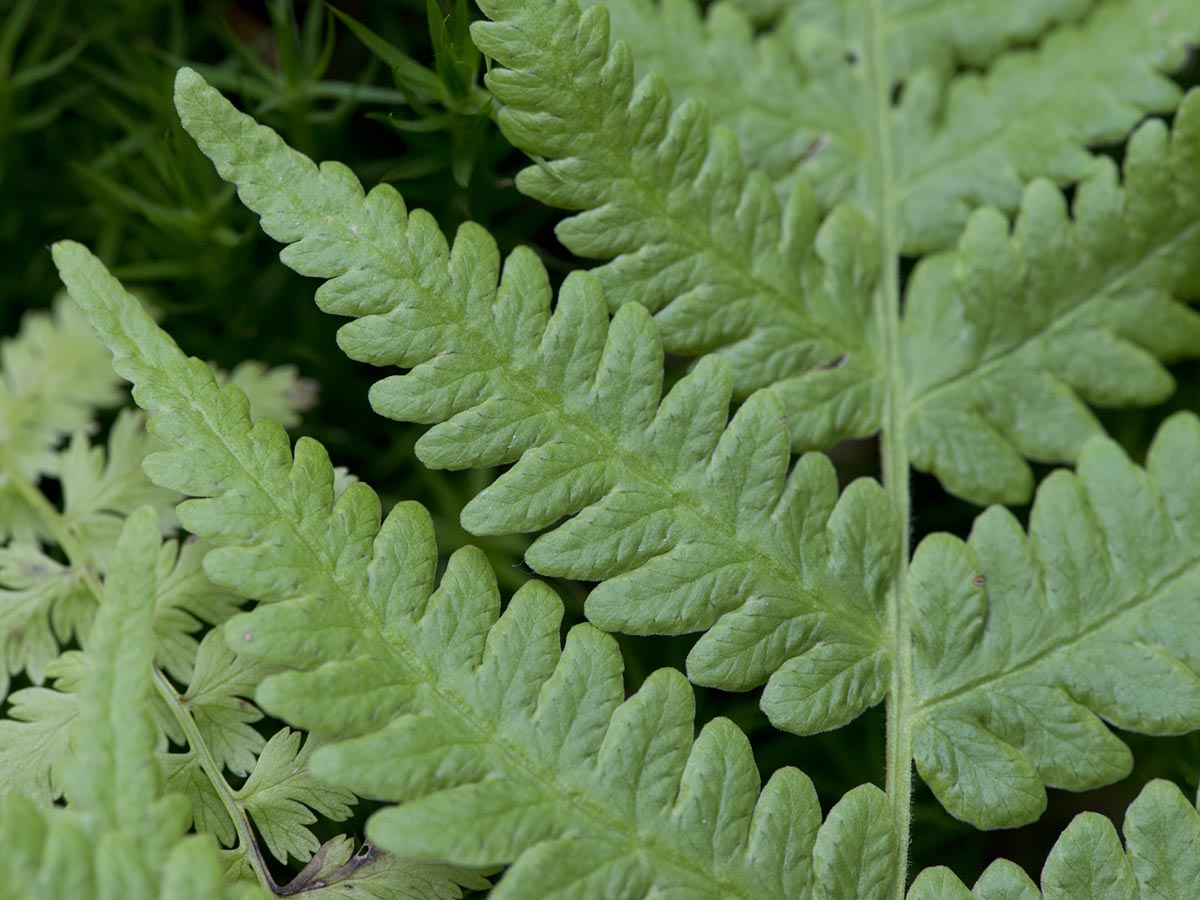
x,y
78,557
893,446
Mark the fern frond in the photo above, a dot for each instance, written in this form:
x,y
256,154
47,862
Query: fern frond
x,y
1005,340
691,525
119,836
1160,861
798,106
1024,642
281,796
508,747
783,93
692,235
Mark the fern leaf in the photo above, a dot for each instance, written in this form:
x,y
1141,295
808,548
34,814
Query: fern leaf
x,y
799,97
1100,307
1024,642
34,738
101,486
214,699
1160,861
42,602
1004,341
666,504
281,796
692,236
119,835
783,93
508,747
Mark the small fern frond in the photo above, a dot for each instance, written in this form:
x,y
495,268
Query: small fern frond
x,y
507,746
689,525
54,377
1024,642
1160,860
119,835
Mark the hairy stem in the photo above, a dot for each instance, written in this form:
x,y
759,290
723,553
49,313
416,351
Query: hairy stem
x,y
77,556
893,447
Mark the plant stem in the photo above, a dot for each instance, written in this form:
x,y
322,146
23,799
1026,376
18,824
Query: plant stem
x,y
893,447
79,560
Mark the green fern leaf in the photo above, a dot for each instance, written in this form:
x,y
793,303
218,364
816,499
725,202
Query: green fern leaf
x,y
983,388
1004,341
693,236
1161,859
35,735
119,835
214,699
508,747
799,98
281,795
666,505
42,602
54,376
1022,642
101,488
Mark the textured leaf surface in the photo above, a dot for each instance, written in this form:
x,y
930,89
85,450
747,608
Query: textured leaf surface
x,y
1024,642
984,388
1160,860
1041,82
1005,341
508,747
690,523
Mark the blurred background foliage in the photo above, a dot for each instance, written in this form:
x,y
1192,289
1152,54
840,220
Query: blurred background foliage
x,y
90,149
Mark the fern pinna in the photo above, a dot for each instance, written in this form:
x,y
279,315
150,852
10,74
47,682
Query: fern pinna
x,y
762,231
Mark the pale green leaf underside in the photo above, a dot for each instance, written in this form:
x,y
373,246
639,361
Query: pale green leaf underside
x,y
1005,341
984,388
799,100
689,524
1160,860
507,746
1024,643
693,235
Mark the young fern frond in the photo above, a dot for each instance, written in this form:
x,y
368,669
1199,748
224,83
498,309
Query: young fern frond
x,y
508,746
120,835
689,525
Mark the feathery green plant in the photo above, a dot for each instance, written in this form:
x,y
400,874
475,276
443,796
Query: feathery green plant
x,y
753,200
